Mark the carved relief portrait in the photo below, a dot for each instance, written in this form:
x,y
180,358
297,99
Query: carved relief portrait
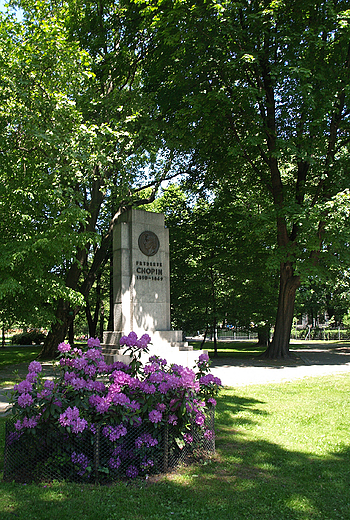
x,y
148,243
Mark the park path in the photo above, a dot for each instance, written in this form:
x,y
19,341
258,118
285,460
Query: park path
x,y
313,361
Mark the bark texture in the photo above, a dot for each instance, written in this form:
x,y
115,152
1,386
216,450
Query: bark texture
x,y
289,283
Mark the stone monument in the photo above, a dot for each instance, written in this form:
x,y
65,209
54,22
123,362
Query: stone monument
x,y
141,288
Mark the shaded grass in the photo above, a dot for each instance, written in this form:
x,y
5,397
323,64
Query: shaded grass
x,y
233,349
250,349
283,452
14,363
17,354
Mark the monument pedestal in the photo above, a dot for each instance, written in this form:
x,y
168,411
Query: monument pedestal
x,y
141,289
165,344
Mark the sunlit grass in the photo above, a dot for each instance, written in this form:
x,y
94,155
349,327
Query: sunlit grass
x,y
282,454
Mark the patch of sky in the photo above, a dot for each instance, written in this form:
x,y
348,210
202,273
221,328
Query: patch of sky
x,y
4,6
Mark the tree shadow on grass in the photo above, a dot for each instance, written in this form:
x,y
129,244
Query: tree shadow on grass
x,y
245,479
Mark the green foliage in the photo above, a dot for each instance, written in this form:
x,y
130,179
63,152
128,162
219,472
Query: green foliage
x,y
259,95
75,136
220,269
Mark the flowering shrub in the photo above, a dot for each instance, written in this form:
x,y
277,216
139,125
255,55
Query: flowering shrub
x,y
110,403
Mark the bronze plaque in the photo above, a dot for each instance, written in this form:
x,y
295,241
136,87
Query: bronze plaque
x,y
148,243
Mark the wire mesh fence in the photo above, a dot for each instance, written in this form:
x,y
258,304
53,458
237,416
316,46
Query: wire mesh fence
x,y
103,454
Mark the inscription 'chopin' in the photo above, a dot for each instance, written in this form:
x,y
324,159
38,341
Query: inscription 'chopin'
x,y
149,271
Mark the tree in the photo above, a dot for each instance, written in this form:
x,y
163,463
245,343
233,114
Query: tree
x,y
261,90
219,263
75,140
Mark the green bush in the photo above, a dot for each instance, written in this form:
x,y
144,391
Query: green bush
x,y
28,338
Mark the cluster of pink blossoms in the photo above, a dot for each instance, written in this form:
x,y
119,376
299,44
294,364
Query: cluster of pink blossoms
x,y
105,394
71,418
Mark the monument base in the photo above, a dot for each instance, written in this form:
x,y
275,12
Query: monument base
x,y
167,344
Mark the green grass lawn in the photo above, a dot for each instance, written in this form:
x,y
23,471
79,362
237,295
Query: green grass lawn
x,y
14,355
283,452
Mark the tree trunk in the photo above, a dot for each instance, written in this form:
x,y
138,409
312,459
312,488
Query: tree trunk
x,y
205,337
71,333
215,338
57,333
3,336
264,337
279,346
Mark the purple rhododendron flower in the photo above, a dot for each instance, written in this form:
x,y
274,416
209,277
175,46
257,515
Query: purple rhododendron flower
x,y
121,399
71,418
101,404
147,463
90,370
79,425
203,357
99,386
49,385
81,460
200,418
209,434
114,463
32,377
30,422
155,416
24,387
123,340
102,367
145,339
25,400
132,336
79,363
93,342
94,354
132,472
114,432
209,379
172,419
163,388
64,347
44,394
129,340
145,439
35,367
212,401
134,405
18,425
188,438
118,365
120,377
147,388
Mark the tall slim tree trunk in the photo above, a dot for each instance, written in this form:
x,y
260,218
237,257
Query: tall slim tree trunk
x,y
289,283
71,333
58,331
